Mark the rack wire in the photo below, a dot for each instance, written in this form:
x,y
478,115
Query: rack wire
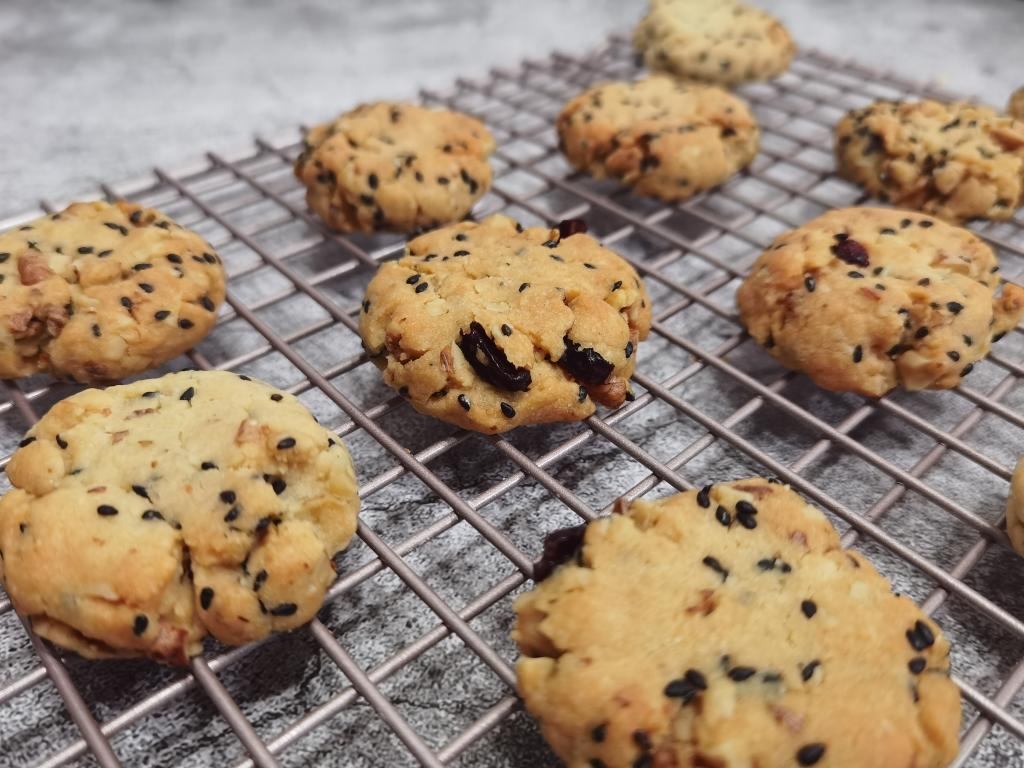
x,y
410,661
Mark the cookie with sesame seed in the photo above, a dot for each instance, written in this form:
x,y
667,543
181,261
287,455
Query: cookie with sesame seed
x,y
398,167
868,299
101,291
145,516
713,41
1015,107
490,326
955,161
727,627
663,138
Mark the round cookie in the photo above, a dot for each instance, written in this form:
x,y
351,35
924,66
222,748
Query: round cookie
x,y
1015,107
147,515
955,161
664,138
489,326
389,166
726,627
867,299
713,41
101,291
1015,509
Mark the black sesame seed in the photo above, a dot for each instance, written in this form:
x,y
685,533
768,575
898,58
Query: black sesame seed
x,y
629,349
523,287
739,674
858,353
162,314
809,754
105,510
278,485
808,670
582,394
747,520
140,490
228,497
506,330
185,323
925,223
207,465
722,516
259,580
588,265
141,266
808,608
968,341
146,287
207,303
284,609
953,355
442,180
598,732
412,279
188,394
26,441
924,281
372,180
205,597
285,443
83,249
61,442
810,283
855,274
716,566
642,739
704,496
617,285
766,564
139,625
126,302
174,258
461,253
955,307
887,231
232,514
920,636
461,236
152,514
464,402
967,369
745,508
422,287
508,410
917,665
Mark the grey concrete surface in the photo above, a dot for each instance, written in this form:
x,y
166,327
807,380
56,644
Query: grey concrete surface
x,y
101,89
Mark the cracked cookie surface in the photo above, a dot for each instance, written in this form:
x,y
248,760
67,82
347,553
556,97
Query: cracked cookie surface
x,y
101,291
145,516
728,627
713,41
955,161
867,299
390,166
664,138
489,326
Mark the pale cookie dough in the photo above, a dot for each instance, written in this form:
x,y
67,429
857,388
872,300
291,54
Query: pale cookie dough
x,y
489,326
101,291
727,627
955,161
663,138
145,516
389,166
867,299
713,41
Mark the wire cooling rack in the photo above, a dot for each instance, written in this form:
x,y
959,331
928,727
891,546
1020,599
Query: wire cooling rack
x,y
410,660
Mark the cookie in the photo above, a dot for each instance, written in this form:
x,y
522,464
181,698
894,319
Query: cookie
x,y
663,138
955,161
389,166
713,41
490,326
102,291
1015,509
867,299
726,627
145,516
1015,107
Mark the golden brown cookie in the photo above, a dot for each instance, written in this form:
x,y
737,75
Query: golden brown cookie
x,y
713,41
1015,107
147,515
661,137
389,166
867,299
98,292
955,161
1015,509
727,627
490,326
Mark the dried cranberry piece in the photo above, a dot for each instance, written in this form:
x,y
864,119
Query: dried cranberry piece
x,y
585,364
851,252
494,367
559,547
569,227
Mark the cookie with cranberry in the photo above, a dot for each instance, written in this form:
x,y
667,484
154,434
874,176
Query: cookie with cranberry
x,y
713,41
390,166
868,299
663,138
102,291
146,516
490,326
956,161
728,627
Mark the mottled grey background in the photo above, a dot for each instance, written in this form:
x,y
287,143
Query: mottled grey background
x,y
97,91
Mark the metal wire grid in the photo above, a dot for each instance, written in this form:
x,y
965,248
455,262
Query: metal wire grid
x,y
279,258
